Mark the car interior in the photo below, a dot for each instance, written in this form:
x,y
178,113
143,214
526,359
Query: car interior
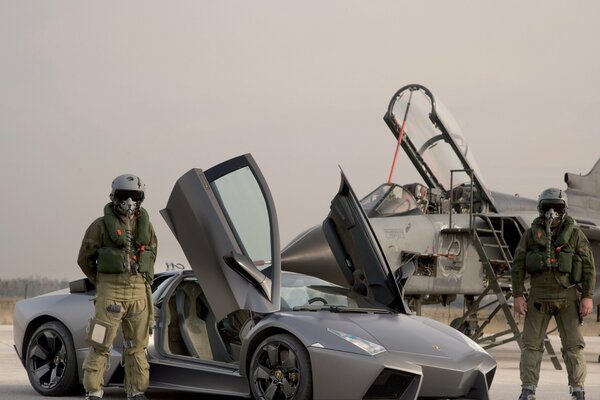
x,y
192,330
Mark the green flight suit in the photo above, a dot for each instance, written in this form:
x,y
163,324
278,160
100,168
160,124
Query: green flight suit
x,y
554,293
123,298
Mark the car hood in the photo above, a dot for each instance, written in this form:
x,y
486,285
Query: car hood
x,y
410,334
416,339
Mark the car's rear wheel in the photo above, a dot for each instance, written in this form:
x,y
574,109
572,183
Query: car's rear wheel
x,y
50,360
280,370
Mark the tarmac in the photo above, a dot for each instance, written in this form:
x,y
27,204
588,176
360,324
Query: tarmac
x,y
14,384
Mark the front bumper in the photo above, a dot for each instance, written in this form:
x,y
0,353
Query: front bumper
x,y
446,377
395,375
339,375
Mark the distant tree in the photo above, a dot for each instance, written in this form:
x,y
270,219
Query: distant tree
x,y
30,287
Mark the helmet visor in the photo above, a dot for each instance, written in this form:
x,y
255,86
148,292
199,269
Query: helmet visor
x,y
556,205
135,195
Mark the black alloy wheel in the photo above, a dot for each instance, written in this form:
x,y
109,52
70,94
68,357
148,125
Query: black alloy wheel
x,y
50,360
280,370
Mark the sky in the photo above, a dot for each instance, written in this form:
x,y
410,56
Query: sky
x,y
92,90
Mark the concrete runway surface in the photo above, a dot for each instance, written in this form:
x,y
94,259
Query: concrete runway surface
x,y
14,384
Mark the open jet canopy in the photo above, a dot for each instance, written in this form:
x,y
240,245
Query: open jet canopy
x,y
434,142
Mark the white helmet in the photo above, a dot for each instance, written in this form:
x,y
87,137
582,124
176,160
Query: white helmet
x,y
127,193
552,198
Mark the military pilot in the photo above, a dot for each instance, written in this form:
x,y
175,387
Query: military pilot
x,y
558,258
117,254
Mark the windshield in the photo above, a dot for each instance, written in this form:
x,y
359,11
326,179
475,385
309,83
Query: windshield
x,y
387,200
428,140
303,292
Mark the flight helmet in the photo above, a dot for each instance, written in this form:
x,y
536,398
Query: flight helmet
x,y
127,193
552,198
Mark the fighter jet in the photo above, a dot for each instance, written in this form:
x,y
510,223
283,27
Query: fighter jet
x,y
458,235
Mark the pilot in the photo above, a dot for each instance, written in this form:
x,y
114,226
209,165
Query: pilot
x,y
117,254
557,256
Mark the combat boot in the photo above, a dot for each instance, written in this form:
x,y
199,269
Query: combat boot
x,y
527,394
139,396
94,395
577,393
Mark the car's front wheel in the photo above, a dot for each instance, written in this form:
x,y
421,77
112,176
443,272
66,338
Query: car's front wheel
x,y
50,360
280,370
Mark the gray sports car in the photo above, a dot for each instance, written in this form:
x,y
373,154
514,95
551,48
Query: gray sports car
x,y
237,325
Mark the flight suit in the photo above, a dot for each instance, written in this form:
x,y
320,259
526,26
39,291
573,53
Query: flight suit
x,y
554,293
123,298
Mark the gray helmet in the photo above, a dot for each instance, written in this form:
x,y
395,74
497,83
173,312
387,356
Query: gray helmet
x,y
552,198
127,193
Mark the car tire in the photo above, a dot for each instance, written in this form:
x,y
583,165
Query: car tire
x,y
50,360
280,370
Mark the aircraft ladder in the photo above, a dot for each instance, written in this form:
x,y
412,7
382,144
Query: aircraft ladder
x,y
496,259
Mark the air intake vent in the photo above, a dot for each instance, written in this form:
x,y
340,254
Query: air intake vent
x,y
389,384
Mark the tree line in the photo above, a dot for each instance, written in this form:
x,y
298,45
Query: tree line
x,y
30,287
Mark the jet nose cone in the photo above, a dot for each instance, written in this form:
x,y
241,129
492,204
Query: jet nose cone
x,y
309,253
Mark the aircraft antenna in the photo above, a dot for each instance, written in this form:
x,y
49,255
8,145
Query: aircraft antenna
x,y
400,136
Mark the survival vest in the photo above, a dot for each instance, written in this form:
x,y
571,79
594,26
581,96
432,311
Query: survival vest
x,y
112,255
562,249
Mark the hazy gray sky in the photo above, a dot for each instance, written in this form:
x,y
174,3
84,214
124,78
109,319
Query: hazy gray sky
x,y
90,90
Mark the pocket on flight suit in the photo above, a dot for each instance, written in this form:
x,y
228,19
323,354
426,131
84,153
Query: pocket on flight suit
x,y
565,262
534,262
102,328
577,269
100,334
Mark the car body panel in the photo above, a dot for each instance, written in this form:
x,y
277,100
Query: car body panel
x,y
183,374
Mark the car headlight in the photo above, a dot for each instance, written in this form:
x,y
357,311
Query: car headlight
x,y
364,344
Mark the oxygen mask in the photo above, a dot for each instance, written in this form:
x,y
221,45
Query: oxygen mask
x,y
127,202
553,212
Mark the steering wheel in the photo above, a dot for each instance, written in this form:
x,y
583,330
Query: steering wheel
x,y
314,299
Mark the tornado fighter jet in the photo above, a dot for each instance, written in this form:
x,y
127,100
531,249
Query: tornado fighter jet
x,y
459,234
